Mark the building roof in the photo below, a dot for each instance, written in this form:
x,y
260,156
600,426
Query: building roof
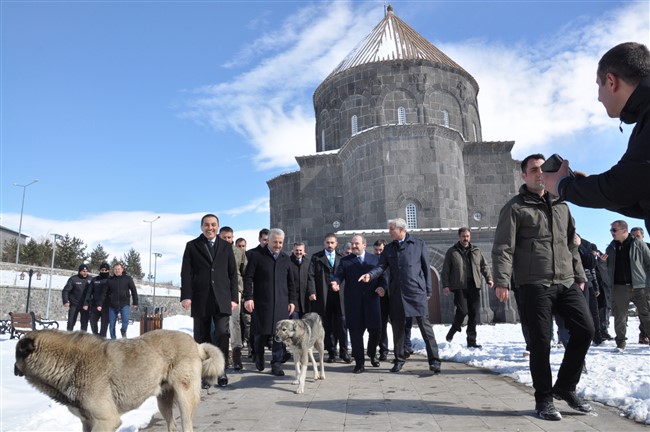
x,y
393,39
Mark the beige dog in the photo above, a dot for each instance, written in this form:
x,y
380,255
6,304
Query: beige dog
x,y
99,379
301,337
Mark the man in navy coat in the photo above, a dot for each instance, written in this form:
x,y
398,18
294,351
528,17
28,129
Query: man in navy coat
x,y
362,305
409,290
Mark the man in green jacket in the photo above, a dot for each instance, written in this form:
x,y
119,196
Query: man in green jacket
x,y
628,264
534,242
461,273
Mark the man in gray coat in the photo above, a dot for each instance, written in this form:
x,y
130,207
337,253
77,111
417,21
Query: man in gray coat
x,y
409,289
628,263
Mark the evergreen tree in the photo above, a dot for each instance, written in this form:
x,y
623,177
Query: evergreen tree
x,y
45,250
97,257
32,253
9,250
70,252
133,264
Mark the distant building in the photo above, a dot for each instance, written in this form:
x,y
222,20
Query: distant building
x,y
398,134
7,234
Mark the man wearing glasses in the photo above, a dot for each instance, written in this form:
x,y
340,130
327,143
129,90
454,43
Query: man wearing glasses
x,y
628,263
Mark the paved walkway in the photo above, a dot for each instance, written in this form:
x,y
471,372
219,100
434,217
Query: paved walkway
x,y
462,398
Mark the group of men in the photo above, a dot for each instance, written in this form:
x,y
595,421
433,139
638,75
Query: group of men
x,y
102,297
347,291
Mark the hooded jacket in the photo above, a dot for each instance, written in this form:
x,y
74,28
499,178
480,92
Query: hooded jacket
x,y
624,188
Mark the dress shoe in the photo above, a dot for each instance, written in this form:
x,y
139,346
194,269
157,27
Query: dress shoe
x,y
547,411
359,369
346,358
435,367
397,367
277,372
259,364
236,359
383,357
374,362
644,340
620,345
407,354
205,385
222,381
450,335
331,359
572,399
474,345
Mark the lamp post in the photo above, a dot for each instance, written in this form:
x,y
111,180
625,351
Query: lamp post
x,y
150,239
155,265
29,289
22,207
49,289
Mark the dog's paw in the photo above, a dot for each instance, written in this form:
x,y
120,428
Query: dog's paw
x,y
322,376
300,390
295,381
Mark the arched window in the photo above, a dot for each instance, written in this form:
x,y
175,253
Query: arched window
x,y
411,216
445,115
322,140
401,115
475,133
354,125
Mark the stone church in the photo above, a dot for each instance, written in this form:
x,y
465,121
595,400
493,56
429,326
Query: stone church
x,y
398,134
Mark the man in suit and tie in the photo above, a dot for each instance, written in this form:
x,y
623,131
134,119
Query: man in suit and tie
x,y
209,285
409,290
362,306
327,301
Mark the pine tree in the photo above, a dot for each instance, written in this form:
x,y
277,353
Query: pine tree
x,y
9,250
70,252
32,254
97,257
133,264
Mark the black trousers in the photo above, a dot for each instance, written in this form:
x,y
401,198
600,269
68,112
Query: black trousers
x,y
538,303
356,339
203,331
468,304
277,350
426,330
75,311
334,325
95,315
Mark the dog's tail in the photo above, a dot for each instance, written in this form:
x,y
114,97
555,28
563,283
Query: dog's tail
x,y
213,364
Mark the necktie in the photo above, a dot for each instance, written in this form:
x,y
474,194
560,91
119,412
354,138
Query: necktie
x,y
331,258
360,258
275,256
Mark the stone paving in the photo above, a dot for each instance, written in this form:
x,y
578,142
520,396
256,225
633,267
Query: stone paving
x,y
462,398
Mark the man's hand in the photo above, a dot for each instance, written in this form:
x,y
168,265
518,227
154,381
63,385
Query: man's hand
x,y
312,297
335,286
186,304
582,286
446,291
99,308
365,278
233,305
490,284
135,307
502,294
551,179
66,304
292,307
249,305
380,291
85,308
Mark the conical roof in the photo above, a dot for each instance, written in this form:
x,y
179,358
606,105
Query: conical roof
x,y
393,39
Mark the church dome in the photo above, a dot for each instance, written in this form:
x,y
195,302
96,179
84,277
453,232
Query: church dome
x,y
393,39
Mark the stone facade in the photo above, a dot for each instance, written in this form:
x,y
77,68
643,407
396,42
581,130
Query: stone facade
x,y
398,136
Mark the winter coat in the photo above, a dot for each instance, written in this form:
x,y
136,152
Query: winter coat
x,y
119,290
362,303
409,276
97,292
320,278
269,282
75,290
534,240
200,274
454,268
300,279
639,262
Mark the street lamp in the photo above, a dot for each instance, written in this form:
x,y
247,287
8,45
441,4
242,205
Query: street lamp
x,y
155,265
29,289
150,239
49,289
20,225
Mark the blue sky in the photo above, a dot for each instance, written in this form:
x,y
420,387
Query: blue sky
x,y
126,110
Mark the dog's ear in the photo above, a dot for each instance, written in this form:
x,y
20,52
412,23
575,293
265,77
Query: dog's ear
x,y
25,347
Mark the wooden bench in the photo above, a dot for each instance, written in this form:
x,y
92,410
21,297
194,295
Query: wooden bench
x,y
22,323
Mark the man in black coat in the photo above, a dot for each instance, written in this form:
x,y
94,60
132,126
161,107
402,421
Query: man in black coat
x,y
96,308
623,79
209,285
270,296
300,271
328,302
74,297
362,304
